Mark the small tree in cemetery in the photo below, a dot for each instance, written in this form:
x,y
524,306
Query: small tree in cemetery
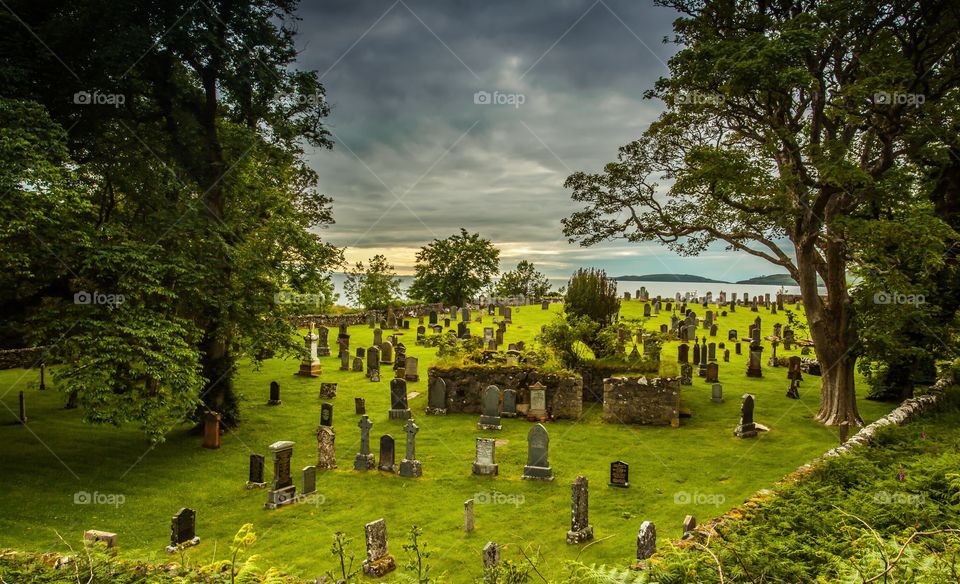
x,y
789,133
417,556
374,286
339,549
590,293
455,269
524,281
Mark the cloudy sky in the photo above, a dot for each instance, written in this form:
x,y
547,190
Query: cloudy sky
x,y
417,157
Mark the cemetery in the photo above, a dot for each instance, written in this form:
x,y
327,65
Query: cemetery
x,y
657,448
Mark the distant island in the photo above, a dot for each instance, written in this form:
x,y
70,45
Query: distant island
x,y
771,280
669,278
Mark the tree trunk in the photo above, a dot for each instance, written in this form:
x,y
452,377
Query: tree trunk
x,y
218,367
831,328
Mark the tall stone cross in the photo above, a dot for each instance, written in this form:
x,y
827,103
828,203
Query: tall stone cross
x,y
411,430
365,424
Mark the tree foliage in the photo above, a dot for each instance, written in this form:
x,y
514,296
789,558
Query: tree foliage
x,y
591,294
455,269
524,281
374,286
788,133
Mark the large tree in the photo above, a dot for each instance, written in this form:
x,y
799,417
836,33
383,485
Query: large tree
x,y
524,281
374,286
786,133
455,269
187,123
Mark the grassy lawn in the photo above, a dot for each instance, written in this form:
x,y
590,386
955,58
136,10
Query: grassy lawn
x,y
699,469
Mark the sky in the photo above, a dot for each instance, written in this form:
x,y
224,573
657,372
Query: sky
x,y
419,153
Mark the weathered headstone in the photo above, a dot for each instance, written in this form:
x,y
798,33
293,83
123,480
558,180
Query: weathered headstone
x,y
326,449
359,406
364,459
509,403
468,525
689,524
344,360
580,528
211,430
683,353
399,409
373,363
255,474
538,402
323,341
646,540
410,466
93,536
795,375
619,474
485,460
309,481
754,365
379,562
437,397
746,428
282,490
686,374
310,366
713,373
274,394
326,414
716,393
490,418
538,452
358,364
387,454
183,530
386,352
491,557
410,366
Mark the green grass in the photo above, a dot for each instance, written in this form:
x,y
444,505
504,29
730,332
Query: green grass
x,y
57,455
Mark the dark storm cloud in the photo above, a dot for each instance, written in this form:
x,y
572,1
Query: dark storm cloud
x,y
401,78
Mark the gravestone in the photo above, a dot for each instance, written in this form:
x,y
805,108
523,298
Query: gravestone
x,y
358,364
491,556
468,525
683,353
738,348
696,352
359,406
410,371
386,352
485,459
421,334
94,536
274,394
713,373
43,377
432,316
323,341
646,540
379,562
463,331
686,374
410,466
377,337
538,453
646,311
712,352
364,459
255,474
183,530
754,365
689,524
387,454
580,528
326,414
732,335
538,402
490,418
746,428
373,363
399,409
619,474
437,397
716,395
702,370
465,314
795,375
328,390
344,360
211,430
726,355
282,490
309,474
310,366
509,403
326,450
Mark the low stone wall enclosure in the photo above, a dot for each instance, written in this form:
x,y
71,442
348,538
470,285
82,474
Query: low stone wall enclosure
x,y
25,358
654,402
465,387
355,318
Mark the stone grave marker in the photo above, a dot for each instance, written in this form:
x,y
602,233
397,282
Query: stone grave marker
x,y
310,366
619,474
713,373
437,397
255,475
538,452
211,430
538,402
364,459
490,419
410,371
686,374
580,528
323,341
716,395
491,555
646,540
344,360
359,406
379,562
328,390
282,490
509,403
274,394
410,466
399,409
484,462
326,414
468,525
689,524
309,481
388,461
183,530
373,363
326,450
746,428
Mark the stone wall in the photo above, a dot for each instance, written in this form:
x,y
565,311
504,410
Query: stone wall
x,y
655,402
14,358
466,384
596,372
